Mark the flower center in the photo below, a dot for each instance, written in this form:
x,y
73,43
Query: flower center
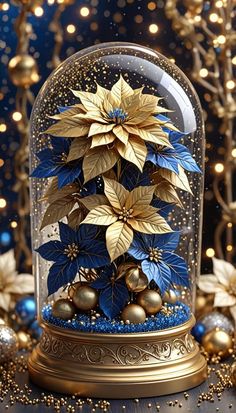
x,y
71,251
118,115
155,254
125,214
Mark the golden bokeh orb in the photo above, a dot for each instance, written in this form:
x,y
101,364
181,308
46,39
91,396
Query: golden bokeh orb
x,y
23,70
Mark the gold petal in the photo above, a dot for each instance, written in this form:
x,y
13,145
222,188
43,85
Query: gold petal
x,y
155,135
115,193
91,117
134,151
118,239
101,91
98,128
148,103
92,201
97,161
69,128
58,210
78,148
166,192
75,218
102,139
150,223
109,103
91,101
121,89
179,180
140,197
138,118
53,193
71,111
121,134
101,215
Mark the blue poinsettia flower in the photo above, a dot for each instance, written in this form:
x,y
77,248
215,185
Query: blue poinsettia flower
x,y
114,293
53,163
158,261
75,249
171,158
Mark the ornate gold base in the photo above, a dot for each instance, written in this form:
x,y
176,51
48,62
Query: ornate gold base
x,y
118,366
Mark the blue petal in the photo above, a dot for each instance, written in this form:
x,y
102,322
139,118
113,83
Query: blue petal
x,y
185,158
114,298
165,242
104,278
61,274
44,154
159,272
63,108
131,177
60,146
163,207
163,118
178,268
93,254
69,172
52,251
139,248
85,233
175,136
46,169
67,234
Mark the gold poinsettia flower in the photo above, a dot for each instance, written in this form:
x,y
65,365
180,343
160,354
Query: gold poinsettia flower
x,y
222,283
12,285
124,212
110,124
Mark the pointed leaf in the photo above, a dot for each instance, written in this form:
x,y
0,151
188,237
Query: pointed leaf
x,y
101,215
159,272
102,139
98,161
113,298
92,201
115,193
150,223
118,238
165,191
121,134
121,89
58,210
68,112
78,148
134,151
91,101
60,275
140,197
68,128
75,218
99,128
178,267
179,180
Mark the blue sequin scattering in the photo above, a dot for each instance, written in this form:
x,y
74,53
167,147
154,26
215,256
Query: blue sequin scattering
x,y
81,322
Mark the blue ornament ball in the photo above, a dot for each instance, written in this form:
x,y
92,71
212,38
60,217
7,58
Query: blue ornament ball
x,y
26,310
35,329
198,331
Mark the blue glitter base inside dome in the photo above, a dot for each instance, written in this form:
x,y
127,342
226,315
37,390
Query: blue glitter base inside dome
x,y
180,313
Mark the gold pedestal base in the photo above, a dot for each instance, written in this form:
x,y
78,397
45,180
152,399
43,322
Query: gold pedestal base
x,y
118,366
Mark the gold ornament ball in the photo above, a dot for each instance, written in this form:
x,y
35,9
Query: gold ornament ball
x,y
134,314
24,340
233,373
150,300
23,70
201,302
64,309
85,297
8,344
136,280
170,297
217,342
73,287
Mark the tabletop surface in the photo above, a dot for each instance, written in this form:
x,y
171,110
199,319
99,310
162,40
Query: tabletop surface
x,y
165,404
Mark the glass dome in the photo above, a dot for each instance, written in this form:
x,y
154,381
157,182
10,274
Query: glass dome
x,y
117,149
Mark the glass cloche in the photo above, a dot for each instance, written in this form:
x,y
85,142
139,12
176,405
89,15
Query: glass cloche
x,y
117,147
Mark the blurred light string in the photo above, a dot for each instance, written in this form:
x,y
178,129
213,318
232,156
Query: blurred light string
x,y
207,29
23,73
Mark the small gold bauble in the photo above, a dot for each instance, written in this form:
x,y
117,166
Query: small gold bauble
x,y
85,297
134,314
233,373
200,302
73,287
150,300
217,342
23,70
136,280
24,340
170,297
64,309
29,4
8,344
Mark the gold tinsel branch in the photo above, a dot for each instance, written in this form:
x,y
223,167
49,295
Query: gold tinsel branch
x,y
208,32
23,72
